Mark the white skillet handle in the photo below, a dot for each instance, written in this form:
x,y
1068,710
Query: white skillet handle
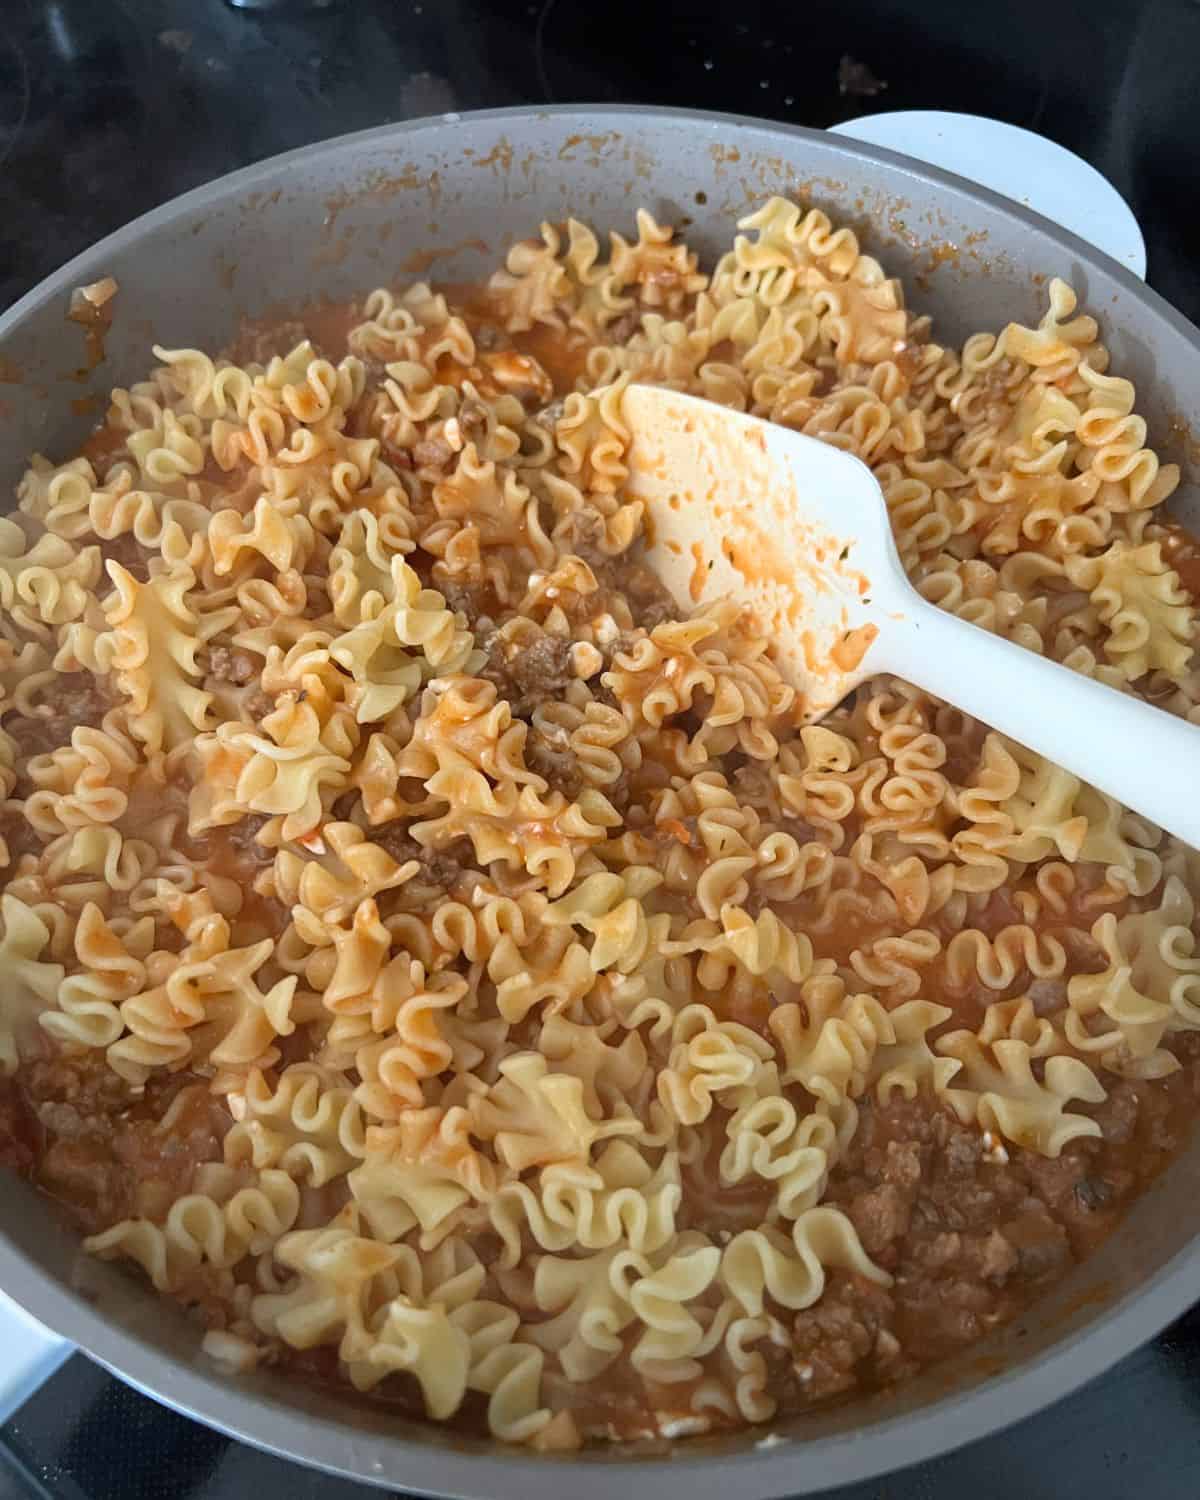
x,y
1143,756
29,1355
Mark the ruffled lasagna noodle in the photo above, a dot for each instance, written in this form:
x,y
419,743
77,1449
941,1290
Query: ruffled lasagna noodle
x,y
442,961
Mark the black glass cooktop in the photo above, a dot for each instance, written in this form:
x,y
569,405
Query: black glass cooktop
x,y
1132,1435
108,107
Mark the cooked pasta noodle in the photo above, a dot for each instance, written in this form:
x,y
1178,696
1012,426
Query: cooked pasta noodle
x,y
427,943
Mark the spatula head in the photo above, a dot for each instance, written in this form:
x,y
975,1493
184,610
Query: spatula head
x,y
741,508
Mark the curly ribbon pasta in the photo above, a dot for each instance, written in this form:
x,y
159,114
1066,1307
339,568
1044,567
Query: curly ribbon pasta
x,y
449,950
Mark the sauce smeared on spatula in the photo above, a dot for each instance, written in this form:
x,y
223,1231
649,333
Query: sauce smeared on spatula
x,y
741,508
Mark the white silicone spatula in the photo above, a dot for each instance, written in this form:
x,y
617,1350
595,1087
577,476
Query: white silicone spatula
x,y
742,508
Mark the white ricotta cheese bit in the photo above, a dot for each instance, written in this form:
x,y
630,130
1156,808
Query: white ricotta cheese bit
x,y
586,661
677,1427
993,1150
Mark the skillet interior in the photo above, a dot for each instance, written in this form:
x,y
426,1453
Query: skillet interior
x,y
337,219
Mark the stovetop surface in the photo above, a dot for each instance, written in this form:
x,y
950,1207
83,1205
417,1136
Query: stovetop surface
x,y
109,107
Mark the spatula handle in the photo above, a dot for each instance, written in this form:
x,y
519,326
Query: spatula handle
x,y
1143,756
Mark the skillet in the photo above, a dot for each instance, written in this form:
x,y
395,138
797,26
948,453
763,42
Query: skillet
x,y
336,219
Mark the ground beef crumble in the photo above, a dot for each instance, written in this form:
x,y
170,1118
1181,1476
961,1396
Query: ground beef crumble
x,y
227,664
622,329
439,867
548,752
19,1130
18,834
969,1237
99,1145
528,675
583,533
259,704
846,1332
234,849
649,602
78,698
475,600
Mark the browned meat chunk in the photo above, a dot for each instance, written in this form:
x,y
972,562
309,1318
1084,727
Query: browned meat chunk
x,y
623,328
880,1216
841,1333
552,758
1040,1243
440,867
77,698
530,675
228,664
